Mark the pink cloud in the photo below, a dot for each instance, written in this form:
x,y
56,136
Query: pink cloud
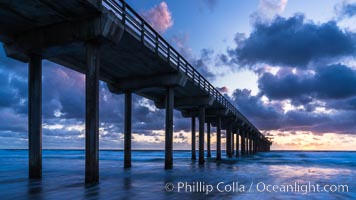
x,y
223,89
159,17
276,6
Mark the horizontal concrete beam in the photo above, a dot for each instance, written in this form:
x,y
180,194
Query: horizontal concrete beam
x,y
135,84
210,114
45,40
189,102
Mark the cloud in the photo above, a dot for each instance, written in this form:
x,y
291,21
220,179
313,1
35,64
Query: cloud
x,y
271,115
331,82
293,42
160,17
223,89
272,7
180,41
12,121
201,62
306,140
264,116
342,104
346,9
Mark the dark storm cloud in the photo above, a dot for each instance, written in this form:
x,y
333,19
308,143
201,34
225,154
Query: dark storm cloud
x,y
254,109
202,63
343,104
12,121
63,91
11,89
13,84
293,42
301,120
339,122
331,82
272,116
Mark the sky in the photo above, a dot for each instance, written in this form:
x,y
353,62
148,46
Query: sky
x,y
288,65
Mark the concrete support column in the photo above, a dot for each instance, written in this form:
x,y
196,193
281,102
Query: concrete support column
x,y
254,144
208,139
127,129
250,145
169,129
243,140
247,142
35,116
265,146
194,157
218,138
228,142
232,144
201,134
92,113
237,142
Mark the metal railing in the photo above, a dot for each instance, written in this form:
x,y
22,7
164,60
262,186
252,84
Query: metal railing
x,y
150,38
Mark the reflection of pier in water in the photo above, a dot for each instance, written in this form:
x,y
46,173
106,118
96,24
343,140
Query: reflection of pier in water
x,y
108,40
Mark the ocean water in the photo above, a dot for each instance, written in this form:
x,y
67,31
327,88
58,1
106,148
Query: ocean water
x,y
270,175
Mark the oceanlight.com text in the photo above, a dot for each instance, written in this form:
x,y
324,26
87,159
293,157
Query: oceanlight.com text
x,y
259,187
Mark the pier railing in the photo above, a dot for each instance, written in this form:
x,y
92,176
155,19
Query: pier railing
x,y
144,32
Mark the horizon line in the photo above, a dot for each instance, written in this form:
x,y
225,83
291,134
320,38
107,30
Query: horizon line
x,y
74,149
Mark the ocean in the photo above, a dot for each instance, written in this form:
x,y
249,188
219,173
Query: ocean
x,y
270,175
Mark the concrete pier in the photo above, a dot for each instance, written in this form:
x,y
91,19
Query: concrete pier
x,y
35,116
228,142
208,140
108,40
127,129
169,128
201,134
92,112
218,138
232,143
194,157
254,144
243,142
250,144
237,142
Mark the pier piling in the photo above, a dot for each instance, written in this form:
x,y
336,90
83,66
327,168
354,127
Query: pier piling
x,y
208,139
92,113
201,134
169,128
194,157
127,129
35,116
218,138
